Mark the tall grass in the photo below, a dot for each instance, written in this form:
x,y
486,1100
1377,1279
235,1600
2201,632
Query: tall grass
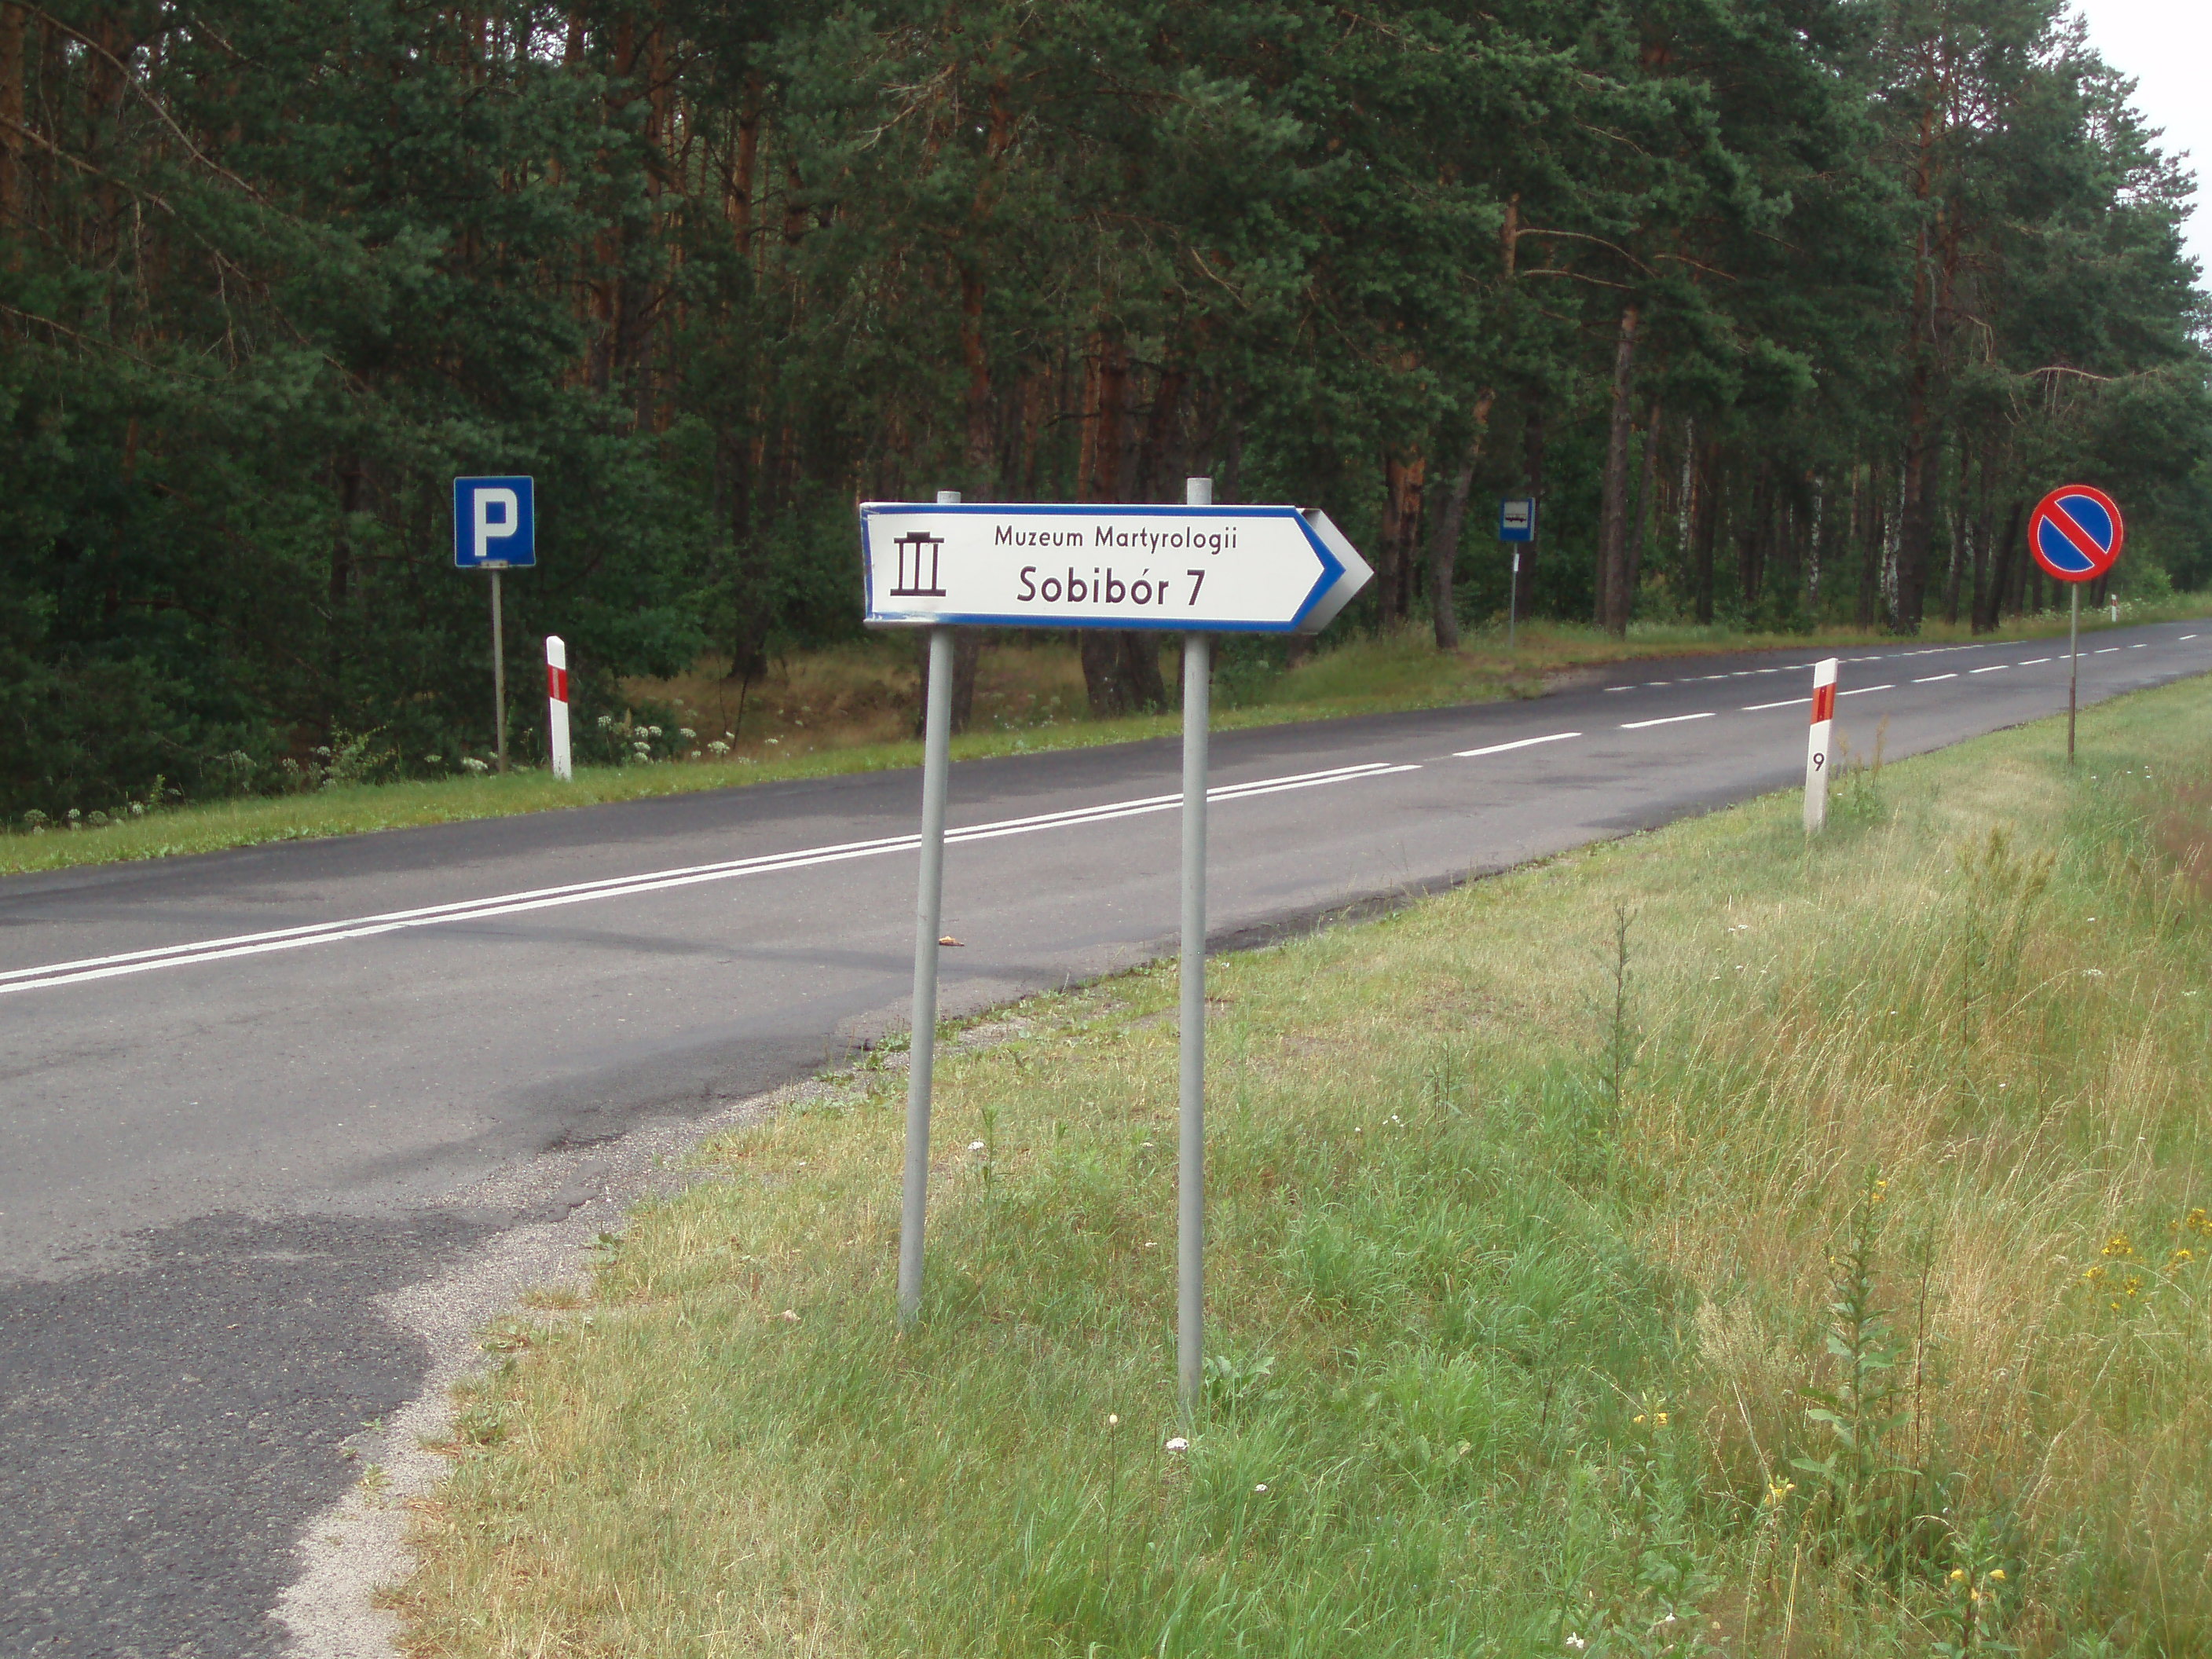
x,y
1710,1242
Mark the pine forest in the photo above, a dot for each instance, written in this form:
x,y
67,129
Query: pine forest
x,y
1786,310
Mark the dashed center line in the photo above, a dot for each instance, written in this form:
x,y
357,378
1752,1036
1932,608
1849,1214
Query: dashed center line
x,y
1521,743
2107,652
1671,720
1862,690
1992,669
1932,678
1787,703
2033,661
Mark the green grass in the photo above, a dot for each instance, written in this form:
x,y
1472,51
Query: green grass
x,y
849,709
1706,1243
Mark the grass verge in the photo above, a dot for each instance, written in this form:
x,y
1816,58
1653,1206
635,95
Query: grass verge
x,y
1703,1244
851,710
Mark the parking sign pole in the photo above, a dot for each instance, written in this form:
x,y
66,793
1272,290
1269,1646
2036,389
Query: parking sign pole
x,y
929,907
1190,1160
498,672
2073,665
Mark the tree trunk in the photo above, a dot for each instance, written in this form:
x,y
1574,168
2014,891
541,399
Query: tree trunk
x,y
977,360
1444,530
1873,543
1704,527
1404,476
2001,557
1532,469
1647,500
1916,524
1612,596
1751,539
1120,667
11,113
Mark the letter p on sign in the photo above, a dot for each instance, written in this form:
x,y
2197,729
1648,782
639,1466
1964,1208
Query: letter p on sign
x,y
494,523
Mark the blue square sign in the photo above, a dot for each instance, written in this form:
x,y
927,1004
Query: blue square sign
x,y
494,523
1516,519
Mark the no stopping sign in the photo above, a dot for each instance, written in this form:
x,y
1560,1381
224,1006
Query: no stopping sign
x,y
2076,533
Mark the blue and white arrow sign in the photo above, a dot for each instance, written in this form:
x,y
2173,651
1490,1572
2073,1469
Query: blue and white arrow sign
x,y
1203,569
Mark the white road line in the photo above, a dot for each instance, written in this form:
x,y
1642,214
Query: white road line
x,y
1993,668
1932,678
1620,687
2184,638
2140,645
1787,703
2107,652
507,904
2033,661
1861,691
1523,742
1671,720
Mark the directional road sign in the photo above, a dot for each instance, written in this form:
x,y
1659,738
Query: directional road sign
x,y
494,523
1215,570
1516,519
2076,533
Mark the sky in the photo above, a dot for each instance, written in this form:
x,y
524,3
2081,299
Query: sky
x,y
2166,46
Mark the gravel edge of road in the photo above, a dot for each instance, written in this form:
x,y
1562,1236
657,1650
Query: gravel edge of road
x,y
358,1546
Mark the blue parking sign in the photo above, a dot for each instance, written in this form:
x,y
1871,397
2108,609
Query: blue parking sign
x,y
494,523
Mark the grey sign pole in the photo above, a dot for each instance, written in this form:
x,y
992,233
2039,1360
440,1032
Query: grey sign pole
x,y
1190,1161
929,902
498,672
2073,665
1513,600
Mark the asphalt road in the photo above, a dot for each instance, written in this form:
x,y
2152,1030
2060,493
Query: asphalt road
x,y
234,1089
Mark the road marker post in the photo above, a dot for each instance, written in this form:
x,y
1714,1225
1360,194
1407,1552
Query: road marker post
x,y
557,706
1190,1134
495,529
2077,533
1196,569
1816,747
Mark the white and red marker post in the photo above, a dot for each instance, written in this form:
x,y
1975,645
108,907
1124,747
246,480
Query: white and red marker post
x,y
1817,756
556,700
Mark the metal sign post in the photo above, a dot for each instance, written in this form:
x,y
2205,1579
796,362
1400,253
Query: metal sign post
x,y
1197,569
495,529
1516,524
1190,1135
929,916
2077,533
2073,665
498,672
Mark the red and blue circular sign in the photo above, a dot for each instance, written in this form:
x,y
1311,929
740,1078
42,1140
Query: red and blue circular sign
x,y
2076,533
